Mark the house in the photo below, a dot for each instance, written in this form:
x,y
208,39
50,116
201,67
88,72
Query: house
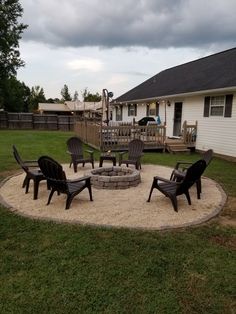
x,y
78,108
203,90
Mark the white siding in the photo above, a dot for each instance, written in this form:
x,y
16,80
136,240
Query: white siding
x,y
141,112
217,133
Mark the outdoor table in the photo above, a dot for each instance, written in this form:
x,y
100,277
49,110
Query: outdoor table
x,y
107,156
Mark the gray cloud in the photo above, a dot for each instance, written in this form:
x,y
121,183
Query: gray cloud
x,y
127,23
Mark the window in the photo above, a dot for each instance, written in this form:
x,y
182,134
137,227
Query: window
x,y
153,109
217,106
132,110
119,113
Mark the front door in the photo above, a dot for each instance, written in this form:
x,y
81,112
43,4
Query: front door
x,y
177,119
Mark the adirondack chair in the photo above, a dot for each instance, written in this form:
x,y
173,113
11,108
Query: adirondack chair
x,y
31,172
135,152
75,149
58,182
172,189
179,171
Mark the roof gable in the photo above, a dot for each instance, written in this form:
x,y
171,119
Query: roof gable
x,y
211,72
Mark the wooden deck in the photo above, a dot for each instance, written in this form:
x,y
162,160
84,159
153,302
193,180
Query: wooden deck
x,y
116,138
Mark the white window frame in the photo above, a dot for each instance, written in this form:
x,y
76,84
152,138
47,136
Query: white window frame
x,y
152,109
132,109
217,102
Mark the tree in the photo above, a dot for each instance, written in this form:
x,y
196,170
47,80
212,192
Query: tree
x,y
53,101
76,96
10,34
10,30
16,95
36,96
87,96
65,93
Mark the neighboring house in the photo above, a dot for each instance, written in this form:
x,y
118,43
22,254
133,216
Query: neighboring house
x,y
79,108
49,108
203,90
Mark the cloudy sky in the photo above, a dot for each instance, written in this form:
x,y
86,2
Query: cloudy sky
x,y
117,44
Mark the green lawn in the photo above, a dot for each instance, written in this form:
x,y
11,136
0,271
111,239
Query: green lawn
x,y
47,267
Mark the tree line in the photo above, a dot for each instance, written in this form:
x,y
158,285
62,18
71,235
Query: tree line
x,y
16,96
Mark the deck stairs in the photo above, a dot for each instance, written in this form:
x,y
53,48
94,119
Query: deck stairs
x,y
176,146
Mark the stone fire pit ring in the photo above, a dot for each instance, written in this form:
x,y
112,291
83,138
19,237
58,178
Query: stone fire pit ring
x,y
114,177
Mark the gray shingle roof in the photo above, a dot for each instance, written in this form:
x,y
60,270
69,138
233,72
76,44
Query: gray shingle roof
x,y
211,72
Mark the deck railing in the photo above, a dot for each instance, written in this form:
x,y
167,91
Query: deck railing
x,y
189,133
117,137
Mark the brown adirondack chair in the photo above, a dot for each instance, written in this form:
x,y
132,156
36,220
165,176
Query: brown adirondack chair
x,y
135,152
180,169
58,182
172,189
31,172
75,149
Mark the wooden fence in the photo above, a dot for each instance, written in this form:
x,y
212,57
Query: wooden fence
x,y
36,121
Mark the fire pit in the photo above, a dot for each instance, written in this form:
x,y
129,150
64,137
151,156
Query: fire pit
x,y
114,178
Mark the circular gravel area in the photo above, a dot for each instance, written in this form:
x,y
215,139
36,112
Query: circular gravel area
x,y
117,208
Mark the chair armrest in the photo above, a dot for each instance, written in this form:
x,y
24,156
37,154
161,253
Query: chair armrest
x,y
68,152
157,178
31,163
85,178
91,152
182,163
121,155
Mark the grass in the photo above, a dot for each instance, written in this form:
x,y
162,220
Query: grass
x,y
60,268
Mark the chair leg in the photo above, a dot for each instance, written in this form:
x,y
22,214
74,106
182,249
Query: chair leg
x,y
174,202
50,196
48,185
27,185
199,188
75,166
24,182
69,200
188,197
92,164
150,194
90,192
36,188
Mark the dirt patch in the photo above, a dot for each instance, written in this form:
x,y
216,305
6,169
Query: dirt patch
x,y
228,214
223,241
